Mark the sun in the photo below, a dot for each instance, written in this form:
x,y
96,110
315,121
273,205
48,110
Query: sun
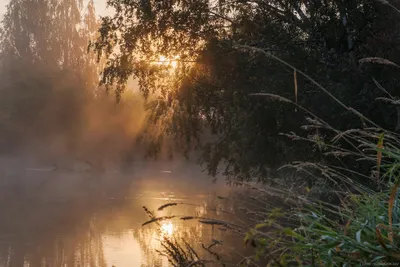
x,y
167,228
168,62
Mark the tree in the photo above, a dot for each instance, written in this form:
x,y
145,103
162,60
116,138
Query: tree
x,y
210,87
47,72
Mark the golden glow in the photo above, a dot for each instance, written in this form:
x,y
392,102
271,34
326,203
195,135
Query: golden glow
x,y
167,228
164,61
122,250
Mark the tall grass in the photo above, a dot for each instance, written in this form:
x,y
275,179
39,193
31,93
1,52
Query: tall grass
x,y
176,247
348,215
359,222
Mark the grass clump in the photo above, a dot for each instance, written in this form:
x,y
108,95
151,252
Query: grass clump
x,y
350,214
342,210
363,229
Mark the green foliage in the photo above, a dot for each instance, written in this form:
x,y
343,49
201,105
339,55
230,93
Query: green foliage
x,y
205,101
347,214
360,233
359,225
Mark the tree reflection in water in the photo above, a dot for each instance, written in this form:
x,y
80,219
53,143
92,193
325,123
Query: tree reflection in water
x,y
99,224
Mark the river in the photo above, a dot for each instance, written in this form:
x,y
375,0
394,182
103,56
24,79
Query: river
x,y
51,217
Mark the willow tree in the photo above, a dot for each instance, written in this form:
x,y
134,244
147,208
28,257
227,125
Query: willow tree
x,y
199,62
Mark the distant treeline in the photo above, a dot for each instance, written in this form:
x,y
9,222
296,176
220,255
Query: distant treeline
x,y
51,104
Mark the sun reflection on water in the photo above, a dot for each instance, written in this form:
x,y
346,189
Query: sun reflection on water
x,y
103,226
167,228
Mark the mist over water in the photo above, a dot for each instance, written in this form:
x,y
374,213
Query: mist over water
x,y
74,181
83,218
73,185
74,177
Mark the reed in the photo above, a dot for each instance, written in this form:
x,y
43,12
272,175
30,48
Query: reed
x,y
340,212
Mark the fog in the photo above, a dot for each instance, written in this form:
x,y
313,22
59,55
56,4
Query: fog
x,y
74,178
72,157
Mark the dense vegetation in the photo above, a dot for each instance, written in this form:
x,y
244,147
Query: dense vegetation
x,y
252,85
228,77
219,53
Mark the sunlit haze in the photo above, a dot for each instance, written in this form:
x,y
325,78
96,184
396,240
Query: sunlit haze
x,y
207,133
101,5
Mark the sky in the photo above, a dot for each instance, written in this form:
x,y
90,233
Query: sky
x,y
100,7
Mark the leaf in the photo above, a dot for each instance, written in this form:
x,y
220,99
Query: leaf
x,y
347,227
330,260
292,233
275,213
261,225
249,236
390,210
380,239
358,236
295,87
378,258
379,154
381,88
378,60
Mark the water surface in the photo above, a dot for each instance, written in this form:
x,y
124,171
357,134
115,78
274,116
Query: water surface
x,y
81,218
